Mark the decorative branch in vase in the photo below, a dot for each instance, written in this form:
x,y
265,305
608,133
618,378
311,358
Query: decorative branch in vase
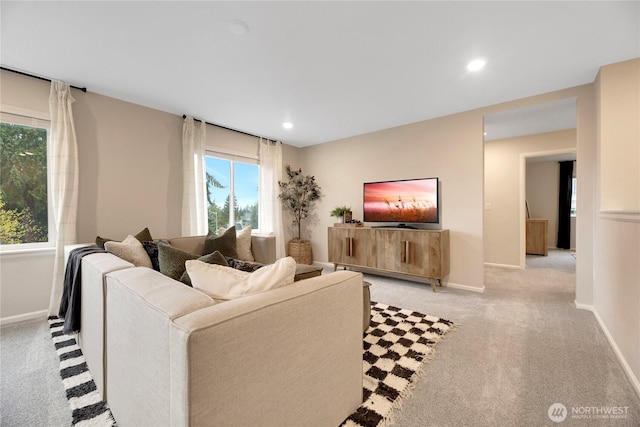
x,y
299,194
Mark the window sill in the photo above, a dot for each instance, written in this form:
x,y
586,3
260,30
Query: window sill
x,y
27,251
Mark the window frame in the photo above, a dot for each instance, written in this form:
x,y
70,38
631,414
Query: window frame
x,y
40,120
574,198
232,157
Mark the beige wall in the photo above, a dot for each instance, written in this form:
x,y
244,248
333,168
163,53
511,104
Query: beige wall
x,y
503,193
542,195
619,133
130,168
616,294
449,148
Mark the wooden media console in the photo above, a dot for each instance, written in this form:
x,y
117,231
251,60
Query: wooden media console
x,y
412,252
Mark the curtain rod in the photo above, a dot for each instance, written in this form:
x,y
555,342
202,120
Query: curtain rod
x,y
84,89
184,116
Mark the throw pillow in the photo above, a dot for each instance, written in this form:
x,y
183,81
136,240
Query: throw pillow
x,y
130,249
225,283
171,261
243,244
152,250
225,243
142,236
247,266
212,258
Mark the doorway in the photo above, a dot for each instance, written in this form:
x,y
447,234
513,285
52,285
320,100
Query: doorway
x,y
541,189
537,132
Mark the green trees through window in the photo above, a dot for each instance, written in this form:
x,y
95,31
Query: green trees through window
x,y
232,193
23,184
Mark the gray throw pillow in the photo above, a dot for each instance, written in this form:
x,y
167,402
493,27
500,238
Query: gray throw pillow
x,y
225,244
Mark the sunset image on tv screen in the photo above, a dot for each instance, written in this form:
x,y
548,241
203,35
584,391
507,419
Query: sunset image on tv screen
x,y
401,201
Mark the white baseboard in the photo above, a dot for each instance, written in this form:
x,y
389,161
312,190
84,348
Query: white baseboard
x,y
625,366
583,306
42,314
511,266
463,287
401,277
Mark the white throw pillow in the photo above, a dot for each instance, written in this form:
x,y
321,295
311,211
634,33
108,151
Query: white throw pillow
x,y
243,242
130,249
225,283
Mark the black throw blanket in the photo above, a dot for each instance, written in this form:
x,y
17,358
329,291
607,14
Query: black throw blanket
x,y
70,301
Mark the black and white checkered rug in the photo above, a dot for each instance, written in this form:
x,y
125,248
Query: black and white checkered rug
x,y
396,345
87,407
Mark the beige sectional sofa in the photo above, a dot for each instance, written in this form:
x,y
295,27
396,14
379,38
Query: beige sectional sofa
x,y
165,354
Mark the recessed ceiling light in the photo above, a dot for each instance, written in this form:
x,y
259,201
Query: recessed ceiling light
x,y
476,64
238,27
287,125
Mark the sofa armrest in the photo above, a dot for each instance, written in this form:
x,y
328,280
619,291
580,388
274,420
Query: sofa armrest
x,y
140,306
92,337
69,248
290,356
263,248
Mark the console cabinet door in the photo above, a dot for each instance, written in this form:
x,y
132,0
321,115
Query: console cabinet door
x,y
409,251
354,246
401,252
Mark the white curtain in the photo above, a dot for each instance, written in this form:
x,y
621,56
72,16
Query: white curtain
x,y
194,194
270,208
63,164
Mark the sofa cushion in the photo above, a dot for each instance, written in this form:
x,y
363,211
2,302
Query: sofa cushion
x,y
130,249
142,236
225,283
225,243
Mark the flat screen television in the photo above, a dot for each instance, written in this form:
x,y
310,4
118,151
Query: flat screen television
x,y
407,201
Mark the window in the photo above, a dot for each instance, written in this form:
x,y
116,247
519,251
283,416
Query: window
x,y
574,183
24,207
232,191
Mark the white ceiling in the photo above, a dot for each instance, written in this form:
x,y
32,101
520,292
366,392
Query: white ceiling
x,y
334,69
